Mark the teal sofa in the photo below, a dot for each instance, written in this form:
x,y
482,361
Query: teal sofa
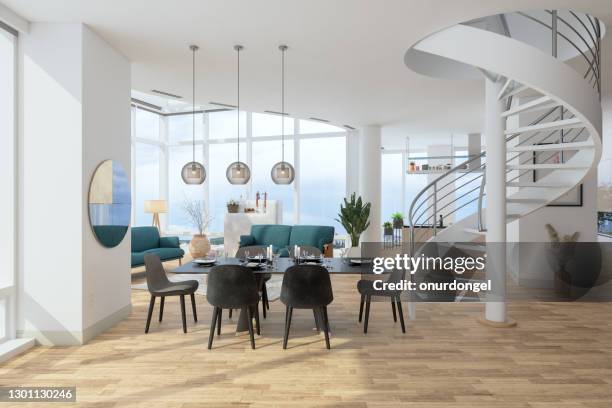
x,y
146,240
282,237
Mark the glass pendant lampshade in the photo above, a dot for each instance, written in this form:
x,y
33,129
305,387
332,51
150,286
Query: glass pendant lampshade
x,y
193,172
283,172
238,172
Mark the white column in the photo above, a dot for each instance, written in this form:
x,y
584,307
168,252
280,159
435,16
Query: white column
x,y
370,178
495,309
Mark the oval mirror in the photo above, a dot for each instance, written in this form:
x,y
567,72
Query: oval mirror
x,y
110,203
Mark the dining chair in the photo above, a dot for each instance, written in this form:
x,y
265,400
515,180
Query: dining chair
x,y
255,251
232,287
366,289
307,287
159,286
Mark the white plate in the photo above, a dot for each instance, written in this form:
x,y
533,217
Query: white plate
x,y
360,261
252,265
204,261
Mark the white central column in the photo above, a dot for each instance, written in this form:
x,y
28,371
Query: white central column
x,y
495,309
370,178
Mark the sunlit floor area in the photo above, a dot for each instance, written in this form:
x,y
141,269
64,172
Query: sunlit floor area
x,y
560,355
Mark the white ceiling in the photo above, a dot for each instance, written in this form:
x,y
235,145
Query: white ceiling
x,y
344,64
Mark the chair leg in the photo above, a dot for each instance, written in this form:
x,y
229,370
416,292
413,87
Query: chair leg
x,y
183,314
193,308
250,322
288,314
393,308
326,326
151,307
211,336
263,302
401,314
317,319
219,317
265,296
258,328
161,308
230,313
367,313
361,307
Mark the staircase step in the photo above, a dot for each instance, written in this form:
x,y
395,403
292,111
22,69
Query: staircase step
x,y
509,84
474,231
526,200
558,124
514,91
552,146
545,166
538,184
539,103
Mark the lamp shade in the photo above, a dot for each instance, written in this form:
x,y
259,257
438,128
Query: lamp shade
x,y
283,173
238,173
155,206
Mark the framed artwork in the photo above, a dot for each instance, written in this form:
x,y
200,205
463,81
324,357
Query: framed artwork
x,y
572,198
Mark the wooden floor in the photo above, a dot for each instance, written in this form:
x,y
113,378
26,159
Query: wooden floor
x,y
560,355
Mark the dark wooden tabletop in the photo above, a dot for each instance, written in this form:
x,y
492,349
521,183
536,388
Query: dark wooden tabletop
x,y
333,265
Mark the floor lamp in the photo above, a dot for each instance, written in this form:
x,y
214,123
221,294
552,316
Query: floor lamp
x,y
156,207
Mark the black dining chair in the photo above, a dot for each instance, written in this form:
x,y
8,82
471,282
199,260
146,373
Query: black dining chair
x,y
366,289
159,286
307,287
255,251
232,287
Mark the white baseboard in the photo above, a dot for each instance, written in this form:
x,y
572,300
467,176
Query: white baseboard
x,y
76,338
12,348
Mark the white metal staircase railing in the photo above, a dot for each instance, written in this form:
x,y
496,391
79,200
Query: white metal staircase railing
x,y
565,136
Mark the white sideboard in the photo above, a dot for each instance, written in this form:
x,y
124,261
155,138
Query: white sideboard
x,y
237,224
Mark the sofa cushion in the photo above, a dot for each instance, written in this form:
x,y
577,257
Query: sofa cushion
x,y
276,235
144,238
137,259
313,235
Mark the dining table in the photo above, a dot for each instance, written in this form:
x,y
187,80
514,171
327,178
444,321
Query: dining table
x,y
338,266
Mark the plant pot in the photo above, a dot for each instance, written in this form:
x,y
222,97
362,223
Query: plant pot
x,y
398,223
232,208
199,246
388,231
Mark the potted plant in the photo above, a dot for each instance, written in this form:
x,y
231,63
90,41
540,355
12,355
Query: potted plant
x,y
398,220
232,206
354,216
199,246
576,265
388,228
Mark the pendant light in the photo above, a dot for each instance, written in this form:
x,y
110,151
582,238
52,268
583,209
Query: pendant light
x,y
193,172
238,172
283,172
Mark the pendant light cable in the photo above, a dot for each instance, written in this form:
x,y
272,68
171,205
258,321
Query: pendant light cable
x,y
283,48
238,48
193,48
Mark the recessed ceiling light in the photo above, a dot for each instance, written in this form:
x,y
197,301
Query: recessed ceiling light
x,y
157,91
276,113
225,105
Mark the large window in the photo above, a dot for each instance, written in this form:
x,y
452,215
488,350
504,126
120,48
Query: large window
x,y
322,180
162,144
8,46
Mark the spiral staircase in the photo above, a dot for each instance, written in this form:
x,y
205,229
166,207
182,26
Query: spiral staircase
x,y
547,67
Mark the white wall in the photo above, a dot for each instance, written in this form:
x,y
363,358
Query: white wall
x,y
50,179
74,112
106,135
